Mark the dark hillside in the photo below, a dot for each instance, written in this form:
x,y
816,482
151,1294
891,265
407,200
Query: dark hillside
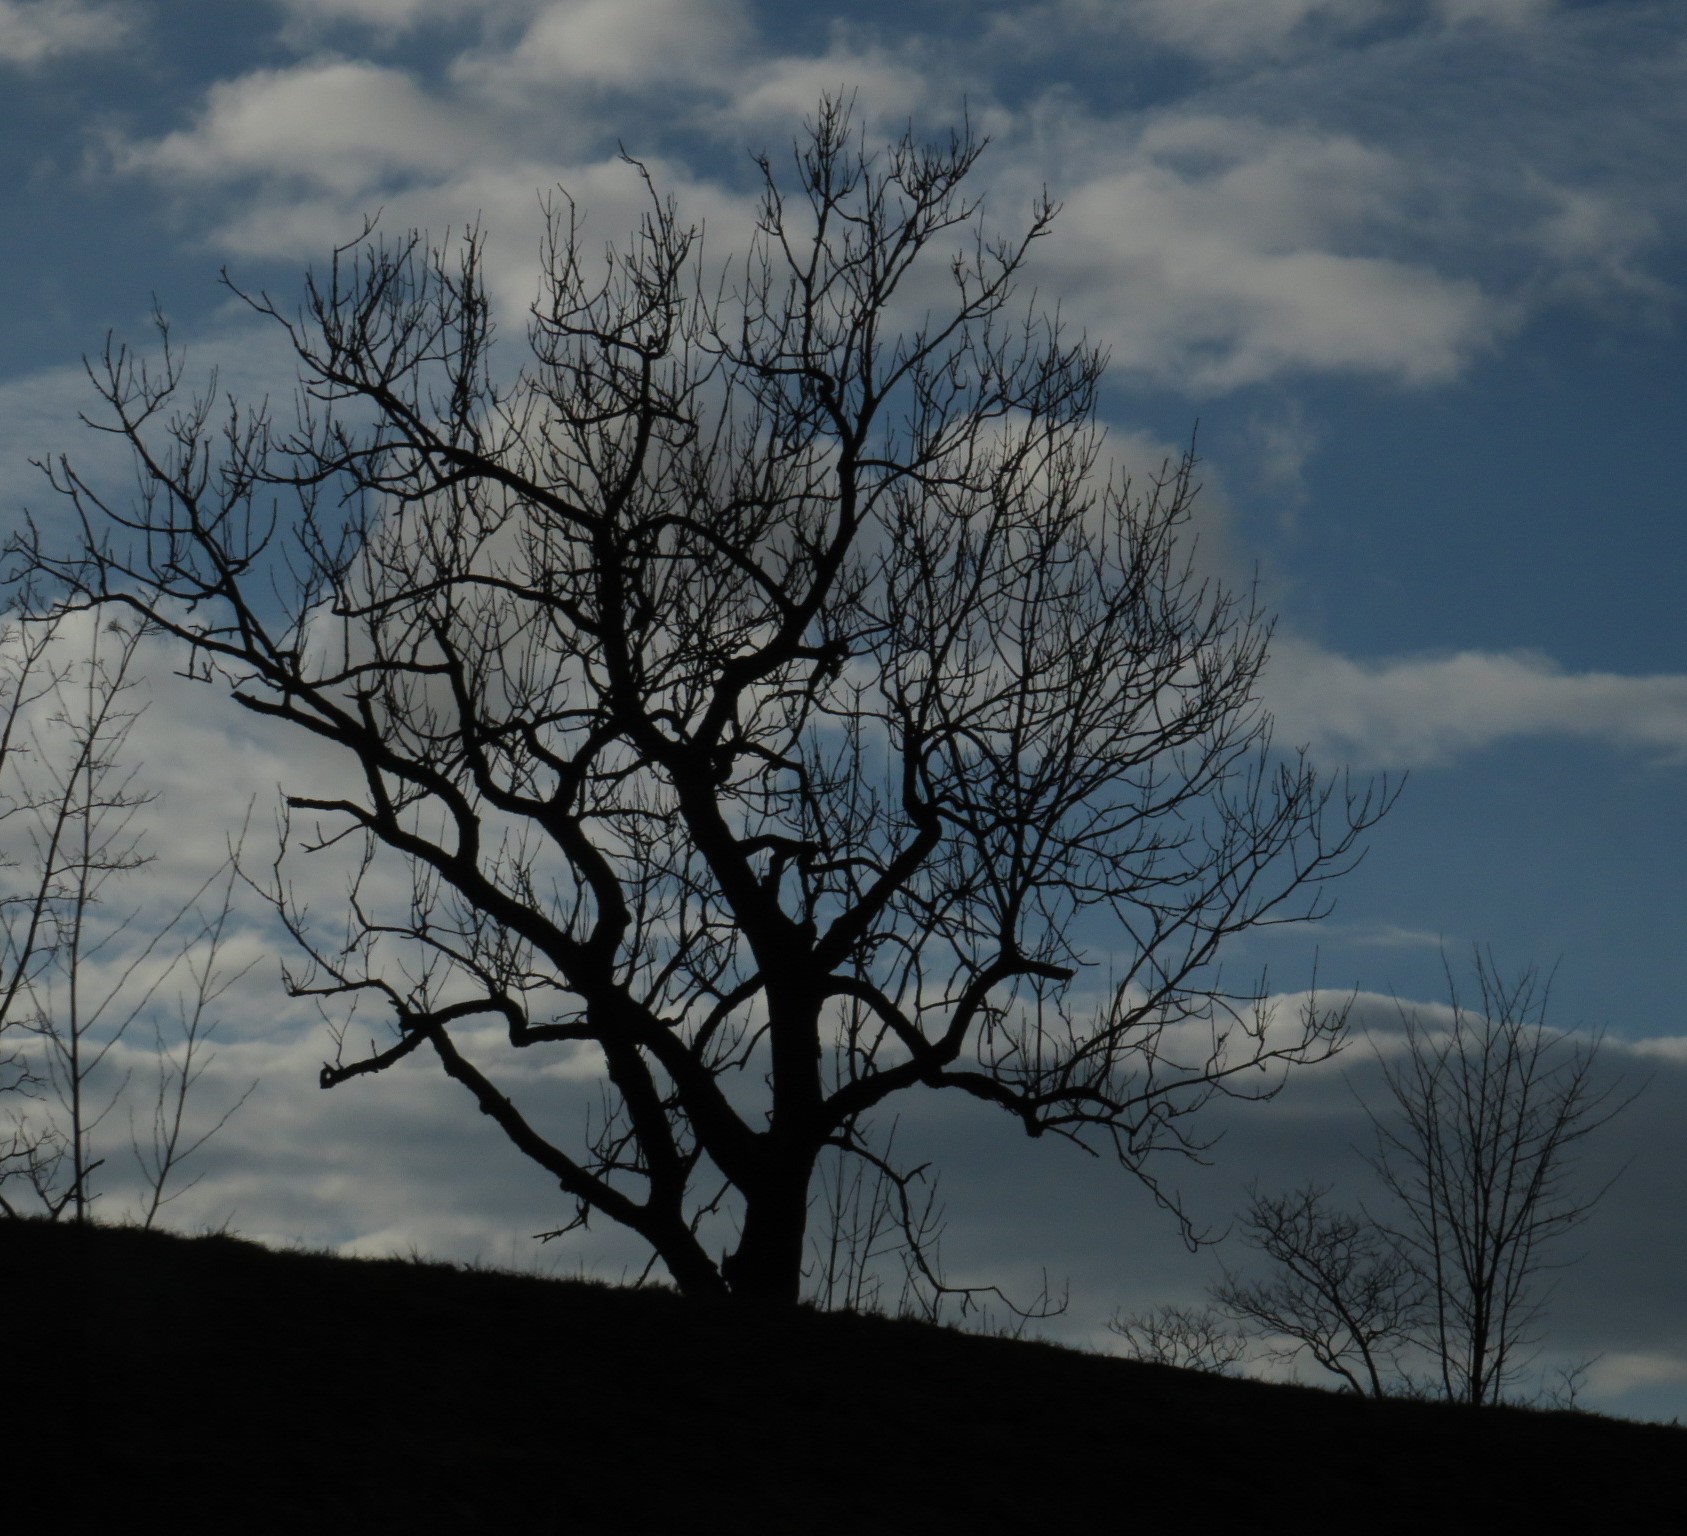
x,y
209,1384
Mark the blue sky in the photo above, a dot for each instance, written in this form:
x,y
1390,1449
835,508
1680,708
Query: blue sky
x,y
1417,267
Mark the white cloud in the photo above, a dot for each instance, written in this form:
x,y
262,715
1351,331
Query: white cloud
x,y
338,123
1429,709
886,89
33,31
626,45
1212,253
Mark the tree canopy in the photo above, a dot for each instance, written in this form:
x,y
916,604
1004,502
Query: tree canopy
x,y
770,692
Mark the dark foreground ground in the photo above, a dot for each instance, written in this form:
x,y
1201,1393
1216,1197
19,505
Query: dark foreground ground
x,y
161,1383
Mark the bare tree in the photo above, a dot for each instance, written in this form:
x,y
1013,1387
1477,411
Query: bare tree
x,y
1480,1153
28,675
80,967
183,1055
771,692
1339,1291
70,802
1191,1338
1478,1150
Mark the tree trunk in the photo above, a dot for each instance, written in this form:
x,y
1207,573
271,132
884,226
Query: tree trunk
x,y
766,1267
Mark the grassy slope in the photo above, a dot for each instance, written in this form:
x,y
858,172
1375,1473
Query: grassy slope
x,y
231,1388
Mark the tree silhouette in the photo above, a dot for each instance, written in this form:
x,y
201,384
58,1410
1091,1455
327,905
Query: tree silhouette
x,y
1190,1338
1477,1149
773,696
1490,1114
1340,1290
81,963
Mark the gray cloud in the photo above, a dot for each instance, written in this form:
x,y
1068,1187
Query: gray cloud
x,y
33,32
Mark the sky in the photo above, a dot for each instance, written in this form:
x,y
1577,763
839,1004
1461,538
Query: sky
x,y
1410,273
